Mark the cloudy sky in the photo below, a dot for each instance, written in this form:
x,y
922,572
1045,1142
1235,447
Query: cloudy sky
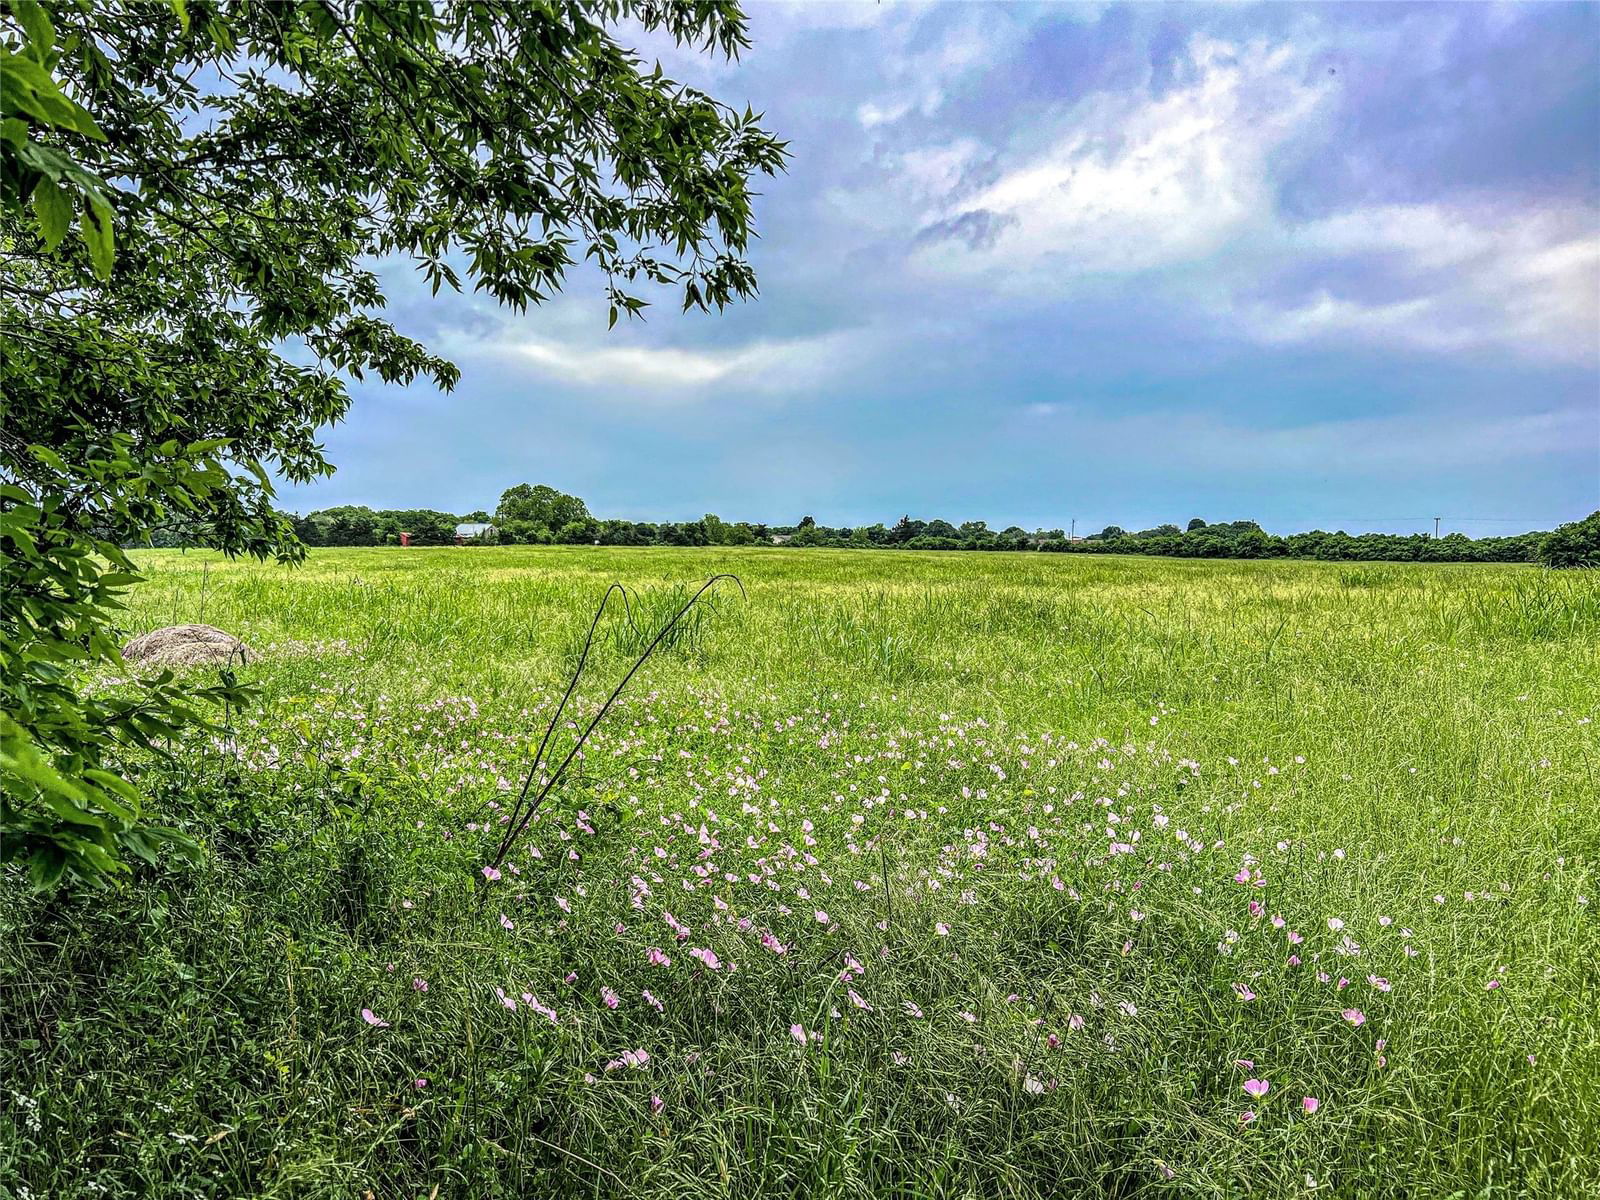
x,y
1320,266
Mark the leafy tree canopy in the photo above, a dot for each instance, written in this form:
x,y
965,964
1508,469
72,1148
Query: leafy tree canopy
x,y
1575,544
540,505
234,172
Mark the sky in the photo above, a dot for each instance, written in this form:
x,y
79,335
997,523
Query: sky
x,y
1316,266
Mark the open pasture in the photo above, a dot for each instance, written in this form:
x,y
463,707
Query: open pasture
x,y
895,875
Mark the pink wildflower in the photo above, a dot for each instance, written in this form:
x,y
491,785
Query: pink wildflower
x,y
1256,1087
1310,1104
1355,1016
372,1018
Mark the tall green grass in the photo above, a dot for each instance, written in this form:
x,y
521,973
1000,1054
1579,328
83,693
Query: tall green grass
x,y
1371,738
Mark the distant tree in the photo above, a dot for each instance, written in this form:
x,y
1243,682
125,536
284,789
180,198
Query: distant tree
x,y
1196,523
717,530
540,505
905,530
581,532
1109,532
477,516
308,531
807,522
1575,544
427,527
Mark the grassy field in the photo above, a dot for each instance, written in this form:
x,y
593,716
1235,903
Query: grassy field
x,y
895,875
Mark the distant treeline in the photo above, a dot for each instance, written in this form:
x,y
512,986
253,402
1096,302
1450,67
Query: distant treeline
x,y
541,515
357,525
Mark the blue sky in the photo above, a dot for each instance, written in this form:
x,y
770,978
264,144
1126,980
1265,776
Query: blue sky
x,y
1331,266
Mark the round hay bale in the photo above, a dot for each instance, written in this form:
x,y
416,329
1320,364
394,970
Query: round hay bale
x,y
186,646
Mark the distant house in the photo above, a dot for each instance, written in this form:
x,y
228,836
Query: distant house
x,y
469,531
779,539
405,538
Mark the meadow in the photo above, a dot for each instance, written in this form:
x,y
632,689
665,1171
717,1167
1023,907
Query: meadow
x,y
890,875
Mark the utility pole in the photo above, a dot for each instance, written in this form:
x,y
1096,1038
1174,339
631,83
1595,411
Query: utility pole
x,y
1436,528
1074,532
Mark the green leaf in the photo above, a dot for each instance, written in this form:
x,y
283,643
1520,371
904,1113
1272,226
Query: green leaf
x,y
29,88
95,225
118,785
35,23
54,212
45,866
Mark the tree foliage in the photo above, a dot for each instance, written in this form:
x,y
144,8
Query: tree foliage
x,y
1575,544
234,171
1226,539
538,505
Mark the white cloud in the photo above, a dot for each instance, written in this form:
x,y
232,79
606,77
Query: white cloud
x,y
1134,182
1525,282
655,373
1178,192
